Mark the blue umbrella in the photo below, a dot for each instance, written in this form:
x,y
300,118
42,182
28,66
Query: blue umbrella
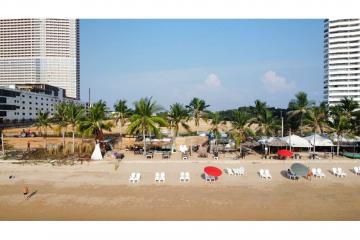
x,y
299,169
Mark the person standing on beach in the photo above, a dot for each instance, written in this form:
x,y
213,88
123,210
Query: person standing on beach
x,y
28,146
25,191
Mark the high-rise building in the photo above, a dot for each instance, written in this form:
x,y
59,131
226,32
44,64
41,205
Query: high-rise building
x,y
341,60
41,51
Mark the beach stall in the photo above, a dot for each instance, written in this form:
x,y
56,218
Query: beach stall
x,y
295,141
322,142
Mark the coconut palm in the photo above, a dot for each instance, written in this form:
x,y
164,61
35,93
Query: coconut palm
x,y
122,113
74,114
43,122
266,123
94,122
144,120
339,124
197,108
59,117
240,127
317,119
178,116
299,107
216,121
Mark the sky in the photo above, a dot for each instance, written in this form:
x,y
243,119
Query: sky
x,y
228,63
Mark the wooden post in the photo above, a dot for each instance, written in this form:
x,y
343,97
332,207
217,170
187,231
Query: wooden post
x,y
2,144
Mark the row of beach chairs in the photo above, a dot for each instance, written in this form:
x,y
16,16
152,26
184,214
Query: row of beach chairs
x,y
235,171
159,177
265,173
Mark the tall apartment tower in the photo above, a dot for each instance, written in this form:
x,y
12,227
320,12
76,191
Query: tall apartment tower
x,y
41,51
341,60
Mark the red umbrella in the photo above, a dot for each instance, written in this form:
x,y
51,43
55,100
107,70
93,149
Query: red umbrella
x,y
285,153
213,171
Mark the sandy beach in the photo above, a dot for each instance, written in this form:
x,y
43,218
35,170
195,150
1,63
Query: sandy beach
x,y
101,191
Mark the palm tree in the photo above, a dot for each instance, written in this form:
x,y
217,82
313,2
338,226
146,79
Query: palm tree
x,y
74,114
43,122
178,115
197,108
94,122
60,118
240,127
216,121
144,120
348,106
122,113
317,119
299,107
339,124
266,123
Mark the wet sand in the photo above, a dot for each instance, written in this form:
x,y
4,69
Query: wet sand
x,y
99,192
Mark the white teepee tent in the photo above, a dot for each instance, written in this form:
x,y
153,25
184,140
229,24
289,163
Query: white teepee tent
x,y
96,155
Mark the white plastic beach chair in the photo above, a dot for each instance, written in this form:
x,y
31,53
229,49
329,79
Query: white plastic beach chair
x,y
241,171
182,177
157,177
314,172
207,178
187,177
262,173
229,171
137,177
132,177
357,170
341,173
320,173
162,177
335,172
267,174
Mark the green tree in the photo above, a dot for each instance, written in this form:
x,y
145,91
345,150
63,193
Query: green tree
x,y
197,108
122,113
240,127
266,123
43,122
178,116
339,124
317,118
59,117
74,114
144,120
299,107
94,122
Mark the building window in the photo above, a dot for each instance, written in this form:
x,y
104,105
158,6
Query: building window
x,y
23,107
29,96
23,114
23,102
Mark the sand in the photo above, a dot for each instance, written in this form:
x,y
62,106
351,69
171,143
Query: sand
x,y
97,191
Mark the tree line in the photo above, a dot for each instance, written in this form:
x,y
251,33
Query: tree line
x,y
146,117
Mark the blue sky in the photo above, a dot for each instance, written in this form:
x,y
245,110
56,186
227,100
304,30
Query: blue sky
x,y
229,63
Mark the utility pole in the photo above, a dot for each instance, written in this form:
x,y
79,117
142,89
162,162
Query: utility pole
x,y
2,143
282,125
290,138
89,98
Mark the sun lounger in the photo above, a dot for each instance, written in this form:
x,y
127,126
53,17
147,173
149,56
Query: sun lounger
x,y
334,171
241,171
262,173
314,172
187,177
157,177
132,177
137,177
207,178
320,173
267,174
229,171
162,177
291,175
341,173
357,170
182,177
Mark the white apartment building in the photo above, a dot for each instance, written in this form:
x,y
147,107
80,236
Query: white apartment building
x,y
23,102
341,60
41,51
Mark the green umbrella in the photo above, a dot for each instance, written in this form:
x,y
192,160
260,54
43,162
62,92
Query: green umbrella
x,y
299,169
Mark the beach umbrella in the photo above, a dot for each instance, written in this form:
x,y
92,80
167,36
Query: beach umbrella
x,y
299,169
213,171
285,153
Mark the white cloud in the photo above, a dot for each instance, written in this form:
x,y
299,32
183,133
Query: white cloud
x,y
276,83
212,81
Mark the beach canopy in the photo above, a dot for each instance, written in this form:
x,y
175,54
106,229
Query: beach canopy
x,y
320,141
296,141
96,155
213,171
299,169
273,142
285,153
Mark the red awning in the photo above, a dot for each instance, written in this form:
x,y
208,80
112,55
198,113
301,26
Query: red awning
x,y
213,171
